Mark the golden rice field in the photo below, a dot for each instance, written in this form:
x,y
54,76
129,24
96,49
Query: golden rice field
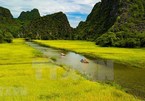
x,y
131,56
25,75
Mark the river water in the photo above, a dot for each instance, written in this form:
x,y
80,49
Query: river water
x,y
130,78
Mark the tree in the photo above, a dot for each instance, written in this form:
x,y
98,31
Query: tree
x,y
1,38
8,37
107,39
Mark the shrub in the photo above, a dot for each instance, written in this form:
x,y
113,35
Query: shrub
x,y
129,42
120,43
8,37
141,36
132,42
121,39
107,39
142,41
1,38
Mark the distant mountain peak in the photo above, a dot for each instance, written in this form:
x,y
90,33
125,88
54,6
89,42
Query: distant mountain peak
x,y
29,15
53,26
123,20
4,12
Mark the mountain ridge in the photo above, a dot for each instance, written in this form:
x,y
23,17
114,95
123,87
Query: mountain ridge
x,y
4,12
53,26
119,23
29,15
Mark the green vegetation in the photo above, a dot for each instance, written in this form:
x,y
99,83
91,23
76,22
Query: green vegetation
x,y
25,75
118,23
98,21
5,37
19,65
121,39
134,57
31,25
54,26
4,12
29,15
5,17
13,26
9,27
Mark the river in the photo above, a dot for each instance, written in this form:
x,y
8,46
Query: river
x,y
130,78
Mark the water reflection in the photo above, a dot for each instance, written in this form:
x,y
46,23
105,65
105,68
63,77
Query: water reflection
x,y
101,70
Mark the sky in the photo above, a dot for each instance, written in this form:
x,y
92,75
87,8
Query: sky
x,y
76,10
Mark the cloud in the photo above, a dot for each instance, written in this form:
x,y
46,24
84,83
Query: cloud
x,y
70,7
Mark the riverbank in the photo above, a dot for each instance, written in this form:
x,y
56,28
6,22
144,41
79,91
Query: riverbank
x,y
27,76
129,56
127,77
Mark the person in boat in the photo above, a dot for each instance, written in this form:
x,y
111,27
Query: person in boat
x,y
84,60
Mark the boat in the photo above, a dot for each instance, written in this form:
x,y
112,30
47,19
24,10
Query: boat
x,y
62,54
84,61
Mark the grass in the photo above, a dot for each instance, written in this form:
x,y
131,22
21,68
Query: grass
x,y
16,53
134,57
25,75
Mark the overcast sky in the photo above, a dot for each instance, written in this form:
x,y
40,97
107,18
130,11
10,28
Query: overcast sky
x,y
76,10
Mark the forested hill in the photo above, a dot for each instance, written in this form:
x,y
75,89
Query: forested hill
x,y
5,13
8,25
119,23
102,17
115,23
29,15
31,25
54,26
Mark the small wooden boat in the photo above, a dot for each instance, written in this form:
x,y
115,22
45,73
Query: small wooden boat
x,y
84,61
62,54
